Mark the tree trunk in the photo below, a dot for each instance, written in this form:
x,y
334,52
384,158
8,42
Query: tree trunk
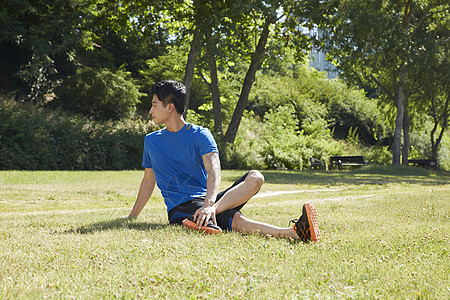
x,y
444,117
406,126
214,88
399,98
190,65
231,133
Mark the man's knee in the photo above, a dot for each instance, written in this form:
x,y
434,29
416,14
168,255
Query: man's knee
x,y
255,177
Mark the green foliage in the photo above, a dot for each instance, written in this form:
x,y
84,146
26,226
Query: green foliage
x,y
34,139
321,104
398,47
199,119
284,149
378,155
350,109
444,152
165,67
43,44
37,43
352,137
244,153
305,111
102,94
287,148
301,115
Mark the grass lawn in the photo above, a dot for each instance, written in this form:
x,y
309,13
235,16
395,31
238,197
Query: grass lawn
x,y
384,235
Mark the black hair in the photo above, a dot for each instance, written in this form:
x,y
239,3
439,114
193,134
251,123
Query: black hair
x,y
170,91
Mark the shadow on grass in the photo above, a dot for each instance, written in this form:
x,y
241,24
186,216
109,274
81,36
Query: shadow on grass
x,y
372,175
117,224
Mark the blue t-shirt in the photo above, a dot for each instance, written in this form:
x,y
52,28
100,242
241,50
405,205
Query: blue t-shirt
x,y
176,159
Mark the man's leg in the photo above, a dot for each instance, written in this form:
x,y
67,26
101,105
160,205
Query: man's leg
x,y
240,193
305,227
231,201
247,226
232,198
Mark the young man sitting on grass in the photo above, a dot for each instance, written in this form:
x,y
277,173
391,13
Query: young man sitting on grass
x,y
183,160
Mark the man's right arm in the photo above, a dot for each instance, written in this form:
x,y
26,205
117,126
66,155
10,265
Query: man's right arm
x,y
145,191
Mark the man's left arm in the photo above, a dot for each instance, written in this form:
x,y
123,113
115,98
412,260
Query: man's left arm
x,y
211,162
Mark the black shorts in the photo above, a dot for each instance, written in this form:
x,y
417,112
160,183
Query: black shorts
x,y
224,219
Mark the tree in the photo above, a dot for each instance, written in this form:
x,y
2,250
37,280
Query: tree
x,y
440,111
44,42
37,41
101,94
379,41
243,30
124,34
434,95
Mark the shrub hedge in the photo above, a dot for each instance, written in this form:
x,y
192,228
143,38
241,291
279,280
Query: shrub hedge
x,y
101,94
35,139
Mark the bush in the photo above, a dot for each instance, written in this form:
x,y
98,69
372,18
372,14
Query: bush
x,y
101,94
378,155
444,152
350,109
285,147
244,152
33,139
320,104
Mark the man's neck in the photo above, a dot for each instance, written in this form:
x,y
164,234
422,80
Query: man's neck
x,y
175,124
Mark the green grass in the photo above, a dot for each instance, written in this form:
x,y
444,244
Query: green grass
x,y
384,235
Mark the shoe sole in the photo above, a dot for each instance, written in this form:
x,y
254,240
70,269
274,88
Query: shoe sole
x,y
311,212
193,226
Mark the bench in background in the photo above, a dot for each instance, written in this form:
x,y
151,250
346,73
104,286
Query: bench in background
x,y
341,161
426,163
315,163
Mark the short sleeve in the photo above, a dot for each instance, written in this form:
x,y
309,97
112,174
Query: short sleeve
x,y
205,142
146,160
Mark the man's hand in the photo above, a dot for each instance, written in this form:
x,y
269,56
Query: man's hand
x,y
204,214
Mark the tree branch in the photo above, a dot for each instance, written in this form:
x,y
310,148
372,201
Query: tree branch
x,y
200,73
380,85
424,17
407,12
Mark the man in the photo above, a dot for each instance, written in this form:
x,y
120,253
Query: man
x,y
183,160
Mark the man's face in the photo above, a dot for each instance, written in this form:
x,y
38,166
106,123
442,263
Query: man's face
x,y
158,111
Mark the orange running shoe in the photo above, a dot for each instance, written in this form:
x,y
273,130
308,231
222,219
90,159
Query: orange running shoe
x,y
306,227
209,229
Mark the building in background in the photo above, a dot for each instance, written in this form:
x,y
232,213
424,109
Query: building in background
x,y
318,61
318,58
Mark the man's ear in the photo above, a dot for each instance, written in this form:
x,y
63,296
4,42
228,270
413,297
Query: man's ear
x,y
170,107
